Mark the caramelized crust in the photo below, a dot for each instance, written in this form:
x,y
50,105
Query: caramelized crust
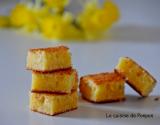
x,y
50,49
102,78
67,71
49,59
136,76
142,70
102,87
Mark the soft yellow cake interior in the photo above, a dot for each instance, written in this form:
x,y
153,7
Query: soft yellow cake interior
x,y
63,81
103,87
49,59
53,104
136,76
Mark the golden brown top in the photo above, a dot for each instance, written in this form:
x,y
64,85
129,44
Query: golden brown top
x,y
101,78
141,71
50,49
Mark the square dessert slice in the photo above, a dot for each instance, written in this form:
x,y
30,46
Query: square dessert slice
x,y
49,59
62,81
102,87
136,76
52,104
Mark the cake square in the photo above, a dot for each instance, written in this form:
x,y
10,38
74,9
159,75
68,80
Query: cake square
x,y
102,87
49,59
136,76
53,104
62,81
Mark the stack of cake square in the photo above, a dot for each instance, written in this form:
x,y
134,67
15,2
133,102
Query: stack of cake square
x,y
54,81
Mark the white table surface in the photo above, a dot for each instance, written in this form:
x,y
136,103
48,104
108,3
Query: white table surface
x,y
139,40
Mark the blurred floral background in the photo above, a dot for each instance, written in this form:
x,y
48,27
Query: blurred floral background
x,y
56,19
82,19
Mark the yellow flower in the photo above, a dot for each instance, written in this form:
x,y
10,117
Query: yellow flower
x,y
4,21
58,5
95,20
73,33
84,19
112,11
53,22
40,13
58,27
22,16
50,26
